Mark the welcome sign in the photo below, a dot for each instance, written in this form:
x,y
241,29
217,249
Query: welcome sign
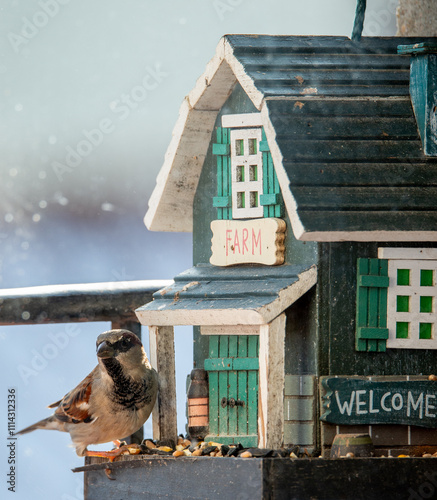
x,y
357,401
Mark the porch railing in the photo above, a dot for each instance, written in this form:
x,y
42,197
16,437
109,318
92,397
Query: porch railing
x,y
113,301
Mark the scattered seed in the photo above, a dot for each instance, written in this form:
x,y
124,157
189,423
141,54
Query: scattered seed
x,y
178,453
165,448
246,454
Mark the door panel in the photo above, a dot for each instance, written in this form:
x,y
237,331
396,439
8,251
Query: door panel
x,y
233,389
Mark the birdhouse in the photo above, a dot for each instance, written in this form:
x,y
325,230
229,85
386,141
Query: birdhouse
x,y
306,169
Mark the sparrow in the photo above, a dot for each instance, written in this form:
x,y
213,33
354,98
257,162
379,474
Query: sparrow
x,y
112,402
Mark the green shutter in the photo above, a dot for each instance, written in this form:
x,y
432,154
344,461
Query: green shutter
x,y
372,284
233,373
221,149
271,198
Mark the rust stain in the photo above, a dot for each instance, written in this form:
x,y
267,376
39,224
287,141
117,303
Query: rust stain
x,y
309,90
184,289
299,79
299,104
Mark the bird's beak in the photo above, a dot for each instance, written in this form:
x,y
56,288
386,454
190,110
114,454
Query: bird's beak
x,y
105,350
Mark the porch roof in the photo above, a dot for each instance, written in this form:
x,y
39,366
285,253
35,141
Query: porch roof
x,y
209,295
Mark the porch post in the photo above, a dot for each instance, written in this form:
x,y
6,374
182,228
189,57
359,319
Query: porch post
x,y
271,384
162,358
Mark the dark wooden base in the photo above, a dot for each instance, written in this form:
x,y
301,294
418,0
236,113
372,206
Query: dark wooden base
x,y
138,477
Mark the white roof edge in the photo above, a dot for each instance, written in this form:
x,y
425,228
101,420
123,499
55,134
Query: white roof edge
x,y
170,205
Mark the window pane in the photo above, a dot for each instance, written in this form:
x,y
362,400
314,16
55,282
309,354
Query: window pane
x,y
240,200
425,331
252,147
402,329
253,199
402,303
426,304
403,277
239,147
253,173
426,277
240,173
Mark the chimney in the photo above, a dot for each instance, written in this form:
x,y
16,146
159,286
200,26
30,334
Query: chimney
x,y
423,91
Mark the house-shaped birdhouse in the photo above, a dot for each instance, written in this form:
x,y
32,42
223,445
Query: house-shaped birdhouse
x,y
306,169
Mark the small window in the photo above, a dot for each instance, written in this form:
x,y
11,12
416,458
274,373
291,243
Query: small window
x,y
246,170
403,277
402,330
411,314
239,147
240,173
426,277
403,303
240,200
425,331
253,173
252,147
426,304
253,199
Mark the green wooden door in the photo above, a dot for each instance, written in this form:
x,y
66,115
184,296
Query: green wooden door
x,y
233,389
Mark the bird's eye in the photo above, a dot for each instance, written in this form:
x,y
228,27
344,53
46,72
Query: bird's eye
x,y
125,342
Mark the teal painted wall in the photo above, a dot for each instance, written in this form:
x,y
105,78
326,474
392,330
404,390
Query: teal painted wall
x,y
296,251
301,329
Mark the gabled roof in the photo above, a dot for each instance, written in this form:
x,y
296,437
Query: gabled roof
x,y
341,130
210,295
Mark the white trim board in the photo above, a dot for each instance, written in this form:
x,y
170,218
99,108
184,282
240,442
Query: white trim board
x,y
366,236
408,253
242,120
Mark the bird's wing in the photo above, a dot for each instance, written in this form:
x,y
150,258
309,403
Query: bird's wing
x,y
74,408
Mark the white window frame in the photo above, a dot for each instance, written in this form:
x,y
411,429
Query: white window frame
x,y
246,193
415,260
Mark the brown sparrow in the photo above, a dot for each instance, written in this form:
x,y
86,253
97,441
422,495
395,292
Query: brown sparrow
x,y
113,401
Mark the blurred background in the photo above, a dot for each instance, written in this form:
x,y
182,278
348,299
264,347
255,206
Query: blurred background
x,y
89,94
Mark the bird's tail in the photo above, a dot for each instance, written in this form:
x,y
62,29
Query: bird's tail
x,y
46,423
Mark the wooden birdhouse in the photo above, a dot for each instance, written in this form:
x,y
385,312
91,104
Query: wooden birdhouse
x,y
306,169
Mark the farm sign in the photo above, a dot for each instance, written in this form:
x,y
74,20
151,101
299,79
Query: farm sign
x,y
356,401
255,241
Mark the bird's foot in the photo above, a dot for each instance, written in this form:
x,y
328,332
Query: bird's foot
x,y
127,449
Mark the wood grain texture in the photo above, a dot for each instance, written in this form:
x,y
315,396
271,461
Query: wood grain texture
x,y
271,384
162,358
